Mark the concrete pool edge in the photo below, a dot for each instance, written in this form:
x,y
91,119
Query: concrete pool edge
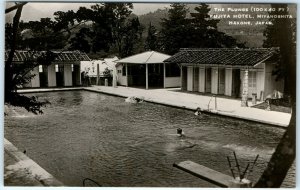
x,y
33,170
156,101
213,112
40,90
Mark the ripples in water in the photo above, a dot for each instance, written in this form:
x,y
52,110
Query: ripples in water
x,y
89,135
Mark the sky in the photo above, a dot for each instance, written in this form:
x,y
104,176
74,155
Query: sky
x,y
35,11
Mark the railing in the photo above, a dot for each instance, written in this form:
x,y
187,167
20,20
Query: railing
x,y
213,96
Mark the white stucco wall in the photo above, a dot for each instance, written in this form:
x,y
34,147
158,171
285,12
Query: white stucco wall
x,y
270,83
172,82
260,82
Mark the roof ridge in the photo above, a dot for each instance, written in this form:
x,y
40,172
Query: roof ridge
x,y
149,56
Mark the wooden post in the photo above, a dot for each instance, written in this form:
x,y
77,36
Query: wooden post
x,y
126,74
146,76
164,75
98,74
181,77
245,90
216,107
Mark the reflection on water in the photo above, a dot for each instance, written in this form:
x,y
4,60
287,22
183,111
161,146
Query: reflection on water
x,y
90,135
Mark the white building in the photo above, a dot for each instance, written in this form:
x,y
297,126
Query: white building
x,y
148,70
64,71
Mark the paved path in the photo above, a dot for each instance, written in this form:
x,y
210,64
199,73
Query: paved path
x,y
225,106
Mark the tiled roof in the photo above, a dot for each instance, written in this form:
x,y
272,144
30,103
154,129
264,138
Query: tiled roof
x,y
66,56
145,57
223,56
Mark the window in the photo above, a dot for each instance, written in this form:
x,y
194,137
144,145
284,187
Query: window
x,y
43,68
40,68
59,68
56,68
252,79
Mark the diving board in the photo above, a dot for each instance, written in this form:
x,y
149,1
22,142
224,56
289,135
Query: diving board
x,y
205,173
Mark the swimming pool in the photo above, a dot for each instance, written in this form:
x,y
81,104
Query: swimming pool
x,y
91,135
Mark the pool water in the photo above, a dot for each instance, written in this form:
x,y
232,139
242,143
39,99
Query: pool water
x,y
115,143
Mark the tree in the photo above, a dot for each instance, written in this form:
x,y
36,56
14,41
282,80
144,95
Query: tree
x,y
285,152
174,34
198,31
204,31
15,75
152,38
132,33
114,28
286,43
81,41
43,35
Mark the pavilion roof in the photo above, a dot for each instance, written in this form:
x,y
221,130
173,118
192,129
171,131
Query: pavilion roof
x,y
145,57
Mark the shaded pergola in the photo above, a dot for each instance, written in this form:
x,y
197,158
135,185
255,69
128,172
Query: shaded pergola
x,y
146,58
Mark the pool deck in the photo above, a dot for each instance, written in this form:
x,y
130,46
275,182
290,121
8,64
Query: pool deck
x,y
225,106
20,170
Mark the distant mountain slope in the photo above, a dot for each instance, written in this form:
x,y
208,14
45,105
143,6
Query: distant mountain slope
x,y
154,17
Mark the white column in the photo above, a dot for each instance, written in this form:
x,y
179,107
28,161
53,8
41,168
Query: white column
x,y
228,81
146,76
214,80
190,77
245,90
114,83
51,75
201,79
67,75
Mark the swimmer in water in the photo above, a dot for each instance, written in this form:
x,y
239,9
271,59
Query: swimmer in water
x,y
198,111
180,132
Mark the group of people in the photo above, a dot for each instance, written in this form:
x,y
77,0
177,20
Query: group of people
x,y
86,81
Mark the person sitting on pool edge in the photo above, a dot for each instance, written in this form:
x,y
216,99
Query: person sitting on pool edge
x,y
180,132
